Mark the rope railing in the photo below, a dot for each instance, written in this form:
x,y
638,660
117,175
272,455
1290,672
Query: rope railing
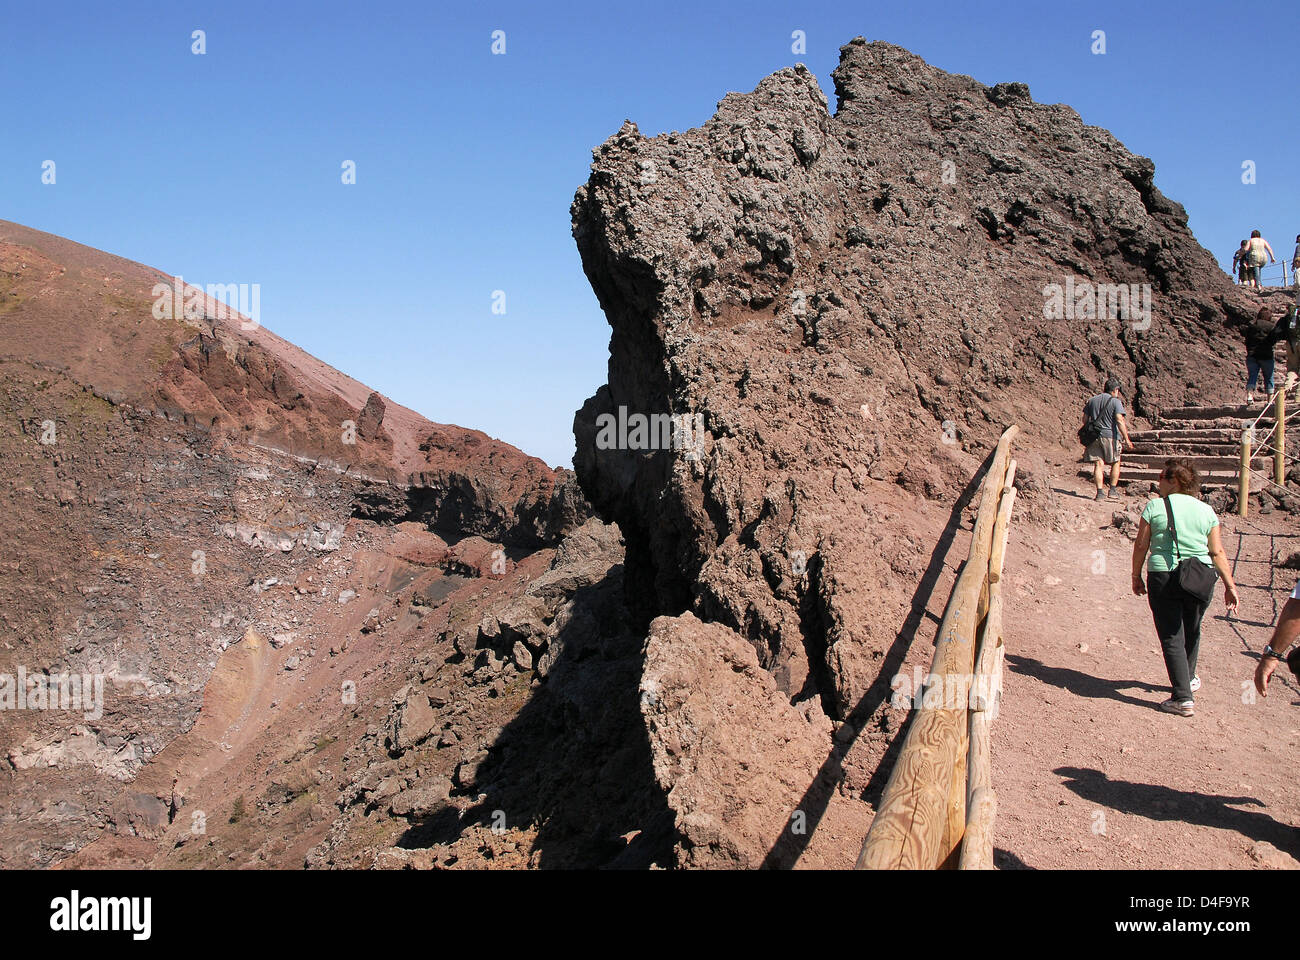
x,y
938,807
1276,433
1276,275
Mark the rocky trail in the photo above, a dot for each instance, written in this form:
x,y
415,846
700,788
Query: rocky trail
x,y
1089,772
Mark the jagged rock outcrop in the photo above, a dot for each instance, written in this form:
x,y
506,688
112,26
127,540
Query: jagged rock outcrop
x,y
839,299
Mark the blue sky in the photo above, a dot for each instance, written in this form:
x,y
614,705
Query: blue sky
x,y
225,167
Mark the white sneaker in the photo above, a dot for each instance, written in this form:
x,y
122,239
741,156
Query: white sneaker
x,y
1196,684
1181,708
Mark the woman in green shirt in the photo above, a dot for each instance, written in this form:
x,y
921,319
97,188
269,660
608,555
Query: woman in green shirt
x,y
1178,614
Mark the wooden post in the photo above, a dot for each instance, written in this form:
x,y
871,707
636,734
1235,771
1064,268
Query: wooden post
x,y
981,804
1243,475
995,569
1279,445
977,841
977,846
922,813
1001,528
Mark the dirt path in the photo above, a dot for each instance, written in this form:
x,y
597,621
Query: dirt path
x,y
1089,773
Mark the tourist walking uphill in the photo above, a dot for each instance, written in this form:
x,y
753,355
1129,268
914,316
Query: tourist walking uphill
x,y
1103,426
1240,268
1178,540
1257,250
1261,335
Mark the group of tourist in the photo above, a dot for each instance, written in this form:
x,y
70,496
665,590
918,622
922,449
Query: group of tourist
x,y
1178,556
1254,254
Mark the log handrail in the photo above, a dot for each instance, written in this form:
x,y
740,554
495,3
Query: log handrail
x,y
922,816
977,843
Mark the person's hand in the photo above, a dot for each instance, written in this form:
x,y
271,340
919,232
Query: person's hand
x,y
1139,588
1231,597
1263,673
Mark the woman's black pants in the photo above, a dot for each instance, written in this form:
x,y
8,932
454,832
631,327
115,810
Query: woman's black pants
x,y
1178,622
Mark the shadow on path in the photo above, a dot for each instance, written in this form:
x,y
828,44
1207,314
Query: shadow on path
x,y
1083,684
1006,860
1167,804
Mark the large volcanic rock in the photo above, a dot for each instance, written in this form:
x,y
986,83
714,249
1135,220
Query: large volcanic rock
x,y
853,303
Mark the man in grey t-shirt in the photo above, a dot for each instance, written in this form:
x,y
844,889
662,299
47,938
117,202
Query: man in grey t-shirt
x,y
1106,410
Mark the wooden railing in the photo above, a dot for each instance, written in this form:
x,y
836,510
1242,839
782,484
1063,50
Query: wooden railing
x,y
938,806
1249,438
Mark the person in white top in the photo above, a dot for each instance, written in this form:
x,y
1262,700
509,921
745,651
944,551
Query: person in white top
x,y
1257,249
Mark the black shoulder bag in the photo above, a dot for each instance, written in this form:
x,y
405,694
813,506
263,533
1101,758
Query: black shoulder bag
x,y
1090,432
1195,578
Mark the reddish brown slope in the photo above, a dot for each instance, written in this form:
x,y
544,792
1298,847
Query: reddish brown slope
x,y
171,485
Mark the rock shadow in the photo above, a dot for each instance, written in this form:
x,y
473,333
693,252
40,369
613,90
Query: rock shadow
x,y
575,762
787,850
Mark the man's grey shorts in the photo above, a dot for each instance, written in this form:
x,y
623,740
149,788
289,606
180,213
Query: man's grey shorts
x,y
1105,449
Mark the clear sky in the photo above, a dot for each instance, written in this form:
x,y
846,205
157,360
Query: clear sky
x,y
226,167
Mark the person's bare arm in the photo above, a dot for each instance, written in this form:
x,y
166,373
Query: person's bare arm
x,y
1140,547
1220,558
1284,634
1123,428
1271,258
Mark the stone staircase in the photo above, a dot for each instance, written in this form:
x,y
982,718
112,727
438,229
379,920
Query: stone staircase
x,y
1208,436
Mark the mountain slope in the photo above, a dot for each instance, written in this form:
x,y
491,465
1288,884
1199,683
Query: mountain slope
x,y
219,529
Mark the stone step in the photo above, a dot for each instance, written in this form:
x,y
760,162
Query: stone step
x,y
1166,450
1220,423
1210,435
1141,472
1157,460
1147,475
1213,413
